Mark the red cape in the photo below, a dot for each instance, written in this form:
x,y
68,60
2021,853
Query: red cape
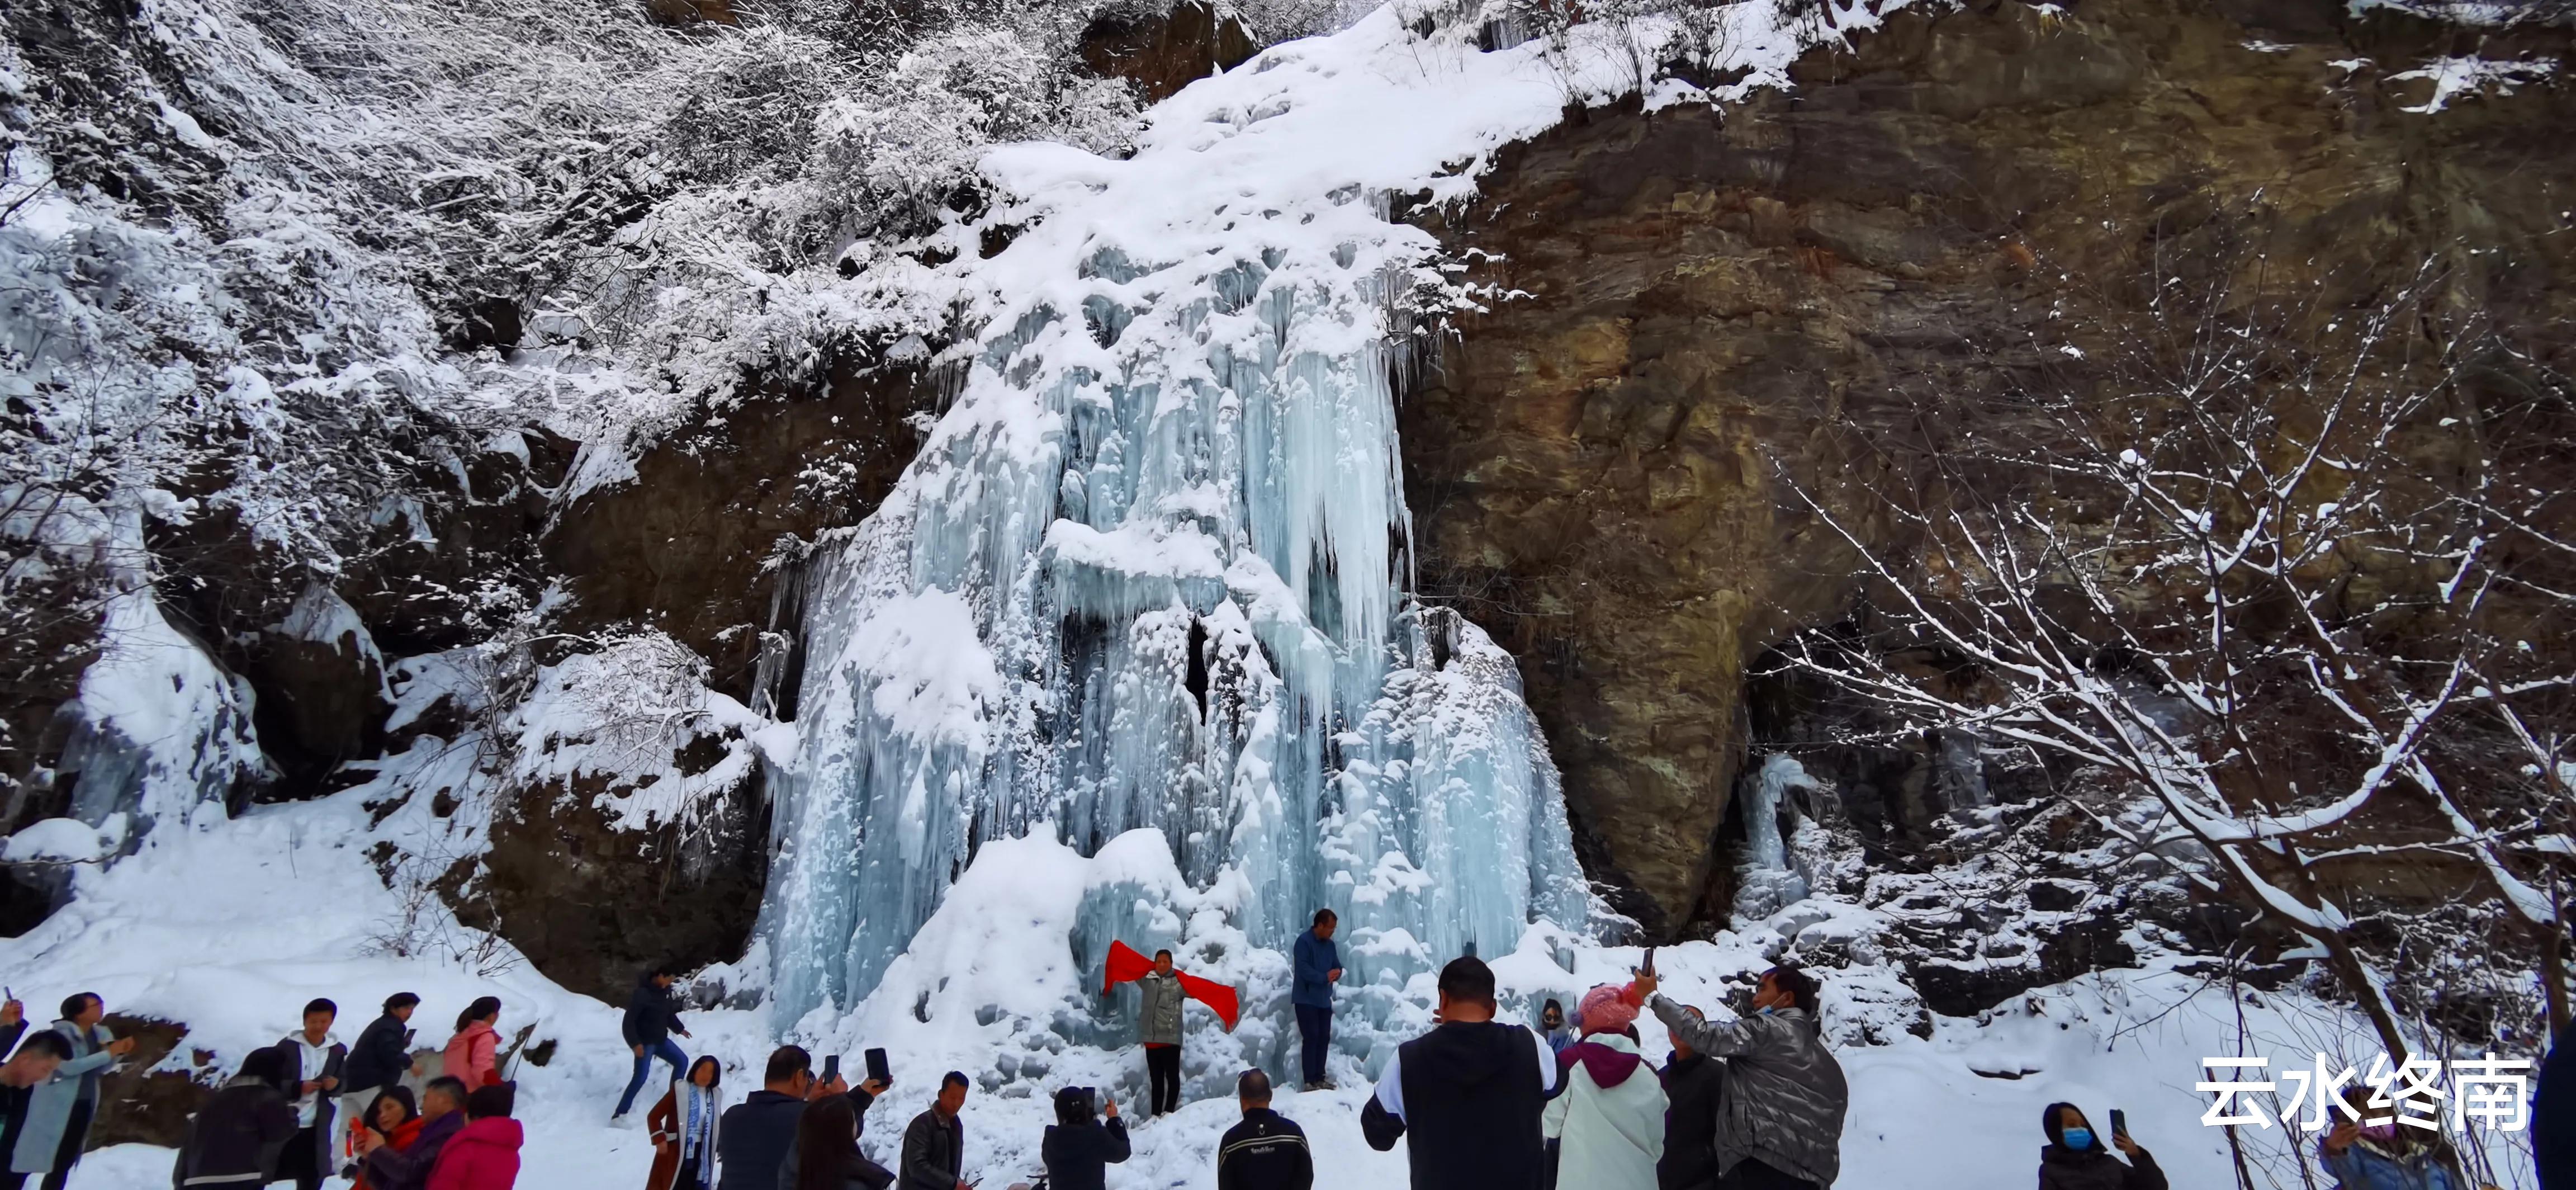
x,y
1125,965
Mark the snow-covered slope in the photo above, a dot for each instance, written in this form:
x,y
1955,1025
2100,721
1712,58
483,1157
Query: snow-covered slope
x,y
232,924
1175,413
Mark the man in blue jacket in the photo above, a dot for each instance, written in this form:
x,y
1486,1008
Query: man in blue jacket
x,y
1319,967
652,1016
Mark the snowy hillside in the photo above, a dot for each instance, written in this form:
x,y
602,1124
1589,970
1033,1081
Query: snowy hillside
x,y
1133,650
233,926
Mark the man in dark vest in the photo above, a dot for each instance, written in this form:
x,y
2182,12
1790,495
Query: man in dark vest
x,y
1468,1093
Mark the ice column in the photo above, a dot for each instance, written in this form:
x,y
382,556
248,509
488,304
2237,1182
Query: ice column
x,y
1150,571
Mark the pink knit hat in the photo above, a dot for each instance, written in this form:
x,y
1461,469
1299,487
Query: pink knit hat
x,y
1608,1009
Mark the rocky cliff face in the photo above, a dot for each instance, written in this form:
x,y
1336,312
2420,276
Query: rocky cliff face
x,y
1710,302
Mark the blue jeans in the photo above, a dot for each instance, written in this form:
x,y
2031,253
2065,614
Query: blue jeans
x,y
669,1051
1315,1030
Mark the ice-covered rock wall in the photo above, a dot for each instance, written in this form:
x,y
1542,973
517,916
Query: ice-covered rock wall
x,y
1151,568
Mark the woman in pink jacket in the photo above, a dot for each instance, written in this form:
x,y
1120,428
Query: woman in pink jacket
x,y
469,1053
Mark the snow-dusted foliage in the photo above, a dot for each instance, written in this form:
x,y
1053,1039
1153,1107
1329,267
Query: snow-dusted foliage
x,y
2286,581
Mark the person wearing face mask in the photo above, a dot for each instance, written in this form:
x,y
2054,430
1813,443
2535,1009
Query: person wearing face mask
x,y
2383,1156
2077,1159
1780,1120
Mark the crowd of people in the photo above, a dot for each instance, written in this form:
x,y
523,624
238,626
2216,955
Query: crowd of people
x,y
294,1111
1756,1102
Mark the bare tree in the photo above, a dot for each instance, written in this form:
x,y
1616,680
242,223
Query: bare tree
x,y
2253,561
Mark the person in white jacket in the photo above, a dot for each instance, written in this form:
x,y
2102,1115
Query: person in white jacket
x,y
1610,1115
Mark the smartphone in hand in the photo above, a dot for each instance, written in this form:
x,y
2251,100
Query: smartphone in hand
x,y
2119,1122
831,1067
877,1068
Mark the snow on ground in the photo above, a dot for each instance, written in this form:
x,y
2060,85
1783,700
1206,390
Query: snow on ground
x,y
230,926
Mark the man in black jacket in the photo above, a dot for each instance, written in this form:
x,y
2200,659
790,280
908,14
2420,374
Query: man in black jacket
x,y
1468,1093
652,1016
380,1059
1692,1083
20,1076
934,1145
1267,1151
756,1135
442,1116
235,1139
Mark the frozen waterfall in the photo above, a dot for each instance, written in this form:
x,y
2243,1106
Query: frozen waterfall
x,y
1150,570
1770,881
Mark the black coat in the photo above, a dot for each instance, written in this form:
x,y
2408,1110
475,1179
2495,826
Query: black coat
x,y
382,1055
1472,1098
1267,1151
934,1153
1691,1089
858,1173
239,1131
757,1136
2096,1169
652,1013
1078,1156
2553,1115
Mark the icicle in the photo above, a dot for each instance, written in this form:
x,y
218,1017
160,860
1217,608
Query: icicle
x,y
1146,573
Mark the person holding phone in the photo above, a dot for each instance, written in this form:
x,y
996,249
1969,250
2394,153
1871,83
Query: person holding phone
x,y
755,1137
2076,1159
2386,1156
1079,1148
56,1129
1780,1119
1610,1117
827,1156
1318,966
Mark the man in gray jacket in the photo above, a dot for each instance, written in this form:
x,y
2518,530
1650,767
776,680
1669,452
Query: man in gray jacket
x,y
1780,1120
1158,1025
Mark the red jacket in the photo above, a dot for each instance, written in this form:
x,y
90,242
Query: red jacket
x,y
485,1156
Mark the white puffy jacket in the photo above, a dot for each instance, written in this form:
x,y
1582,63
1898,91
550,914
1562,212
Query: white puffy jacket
x,y
1612,1135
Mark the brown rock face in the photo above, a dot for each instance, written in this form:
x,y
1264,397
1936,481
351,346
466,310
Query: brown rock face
x,y
1163,54
139,1105
685,546
592,905
1713,297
